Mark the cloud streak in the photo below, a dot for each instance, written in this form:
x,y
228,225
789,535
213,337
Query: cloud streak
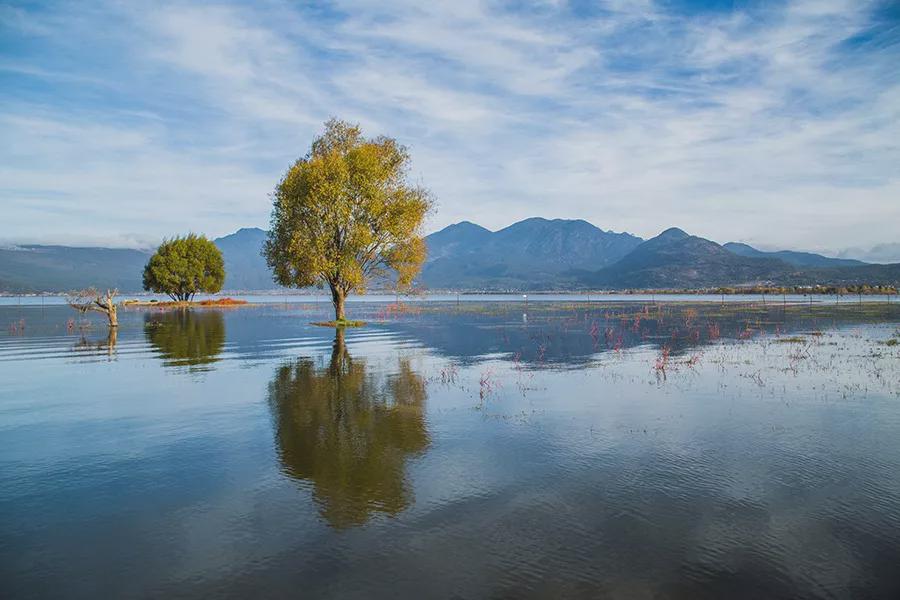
x,y
778,127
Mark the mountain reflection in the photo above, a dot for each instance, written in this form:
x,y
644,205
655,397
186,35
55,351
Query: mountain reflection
x,y
186,337
572,335
349,432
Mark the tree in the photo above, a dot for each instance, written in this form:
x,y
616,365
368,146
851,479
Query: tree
x,y
184,266
92,300
345,214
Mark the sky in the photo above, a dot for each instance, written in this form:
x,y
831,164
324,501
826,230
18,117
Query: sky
x,y
772,123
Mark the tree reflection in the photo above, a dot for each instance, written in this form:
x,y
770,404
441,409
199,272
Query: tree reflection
x,y
349,432
107,344
186,337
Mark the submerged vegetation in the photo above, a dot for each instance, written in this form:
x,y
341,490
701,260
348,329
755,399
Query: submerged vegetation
x,y
547,334
776,290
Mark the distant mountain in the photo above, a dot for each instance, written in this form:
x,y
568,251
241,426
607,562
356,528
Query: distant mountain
x,y
674,259
864,274
532,254
34,268
529,255
456,239
882,253
245,267
798,259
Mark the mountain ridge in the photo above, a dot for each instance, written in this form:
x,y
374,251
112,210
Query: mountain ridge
x,y
531,254
675,259
534,252
794,257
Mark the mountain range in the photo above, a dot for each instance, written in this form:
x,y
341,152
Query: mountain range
x,y
798,259
534,254
675,259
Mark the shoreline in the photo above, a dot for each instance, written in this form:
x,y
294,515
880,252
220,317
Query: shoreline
x,y
211,303
819,290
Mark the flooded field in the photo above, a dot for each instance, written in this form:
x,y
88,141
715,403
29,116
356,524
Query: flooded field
x,y
473,449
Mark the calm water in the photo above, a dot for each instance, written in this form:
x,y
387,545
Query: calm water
x,y
532,298
480,450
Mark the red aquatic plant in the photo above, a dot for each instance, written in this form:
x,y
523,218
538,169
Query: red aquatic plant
x,y
662,361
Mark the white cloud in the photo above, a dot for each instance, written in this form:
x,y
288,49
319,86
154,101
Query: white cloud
x,y
105,181
768,127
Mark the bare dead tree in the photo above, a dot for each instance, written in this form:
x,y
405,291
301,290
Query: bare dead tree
x,y
91,299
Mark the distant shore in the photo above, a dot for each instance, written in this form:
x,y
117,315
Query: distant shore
x,y
817,290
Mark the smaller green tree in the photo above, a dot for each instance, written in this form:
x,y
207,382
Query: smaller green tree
x,y
183,266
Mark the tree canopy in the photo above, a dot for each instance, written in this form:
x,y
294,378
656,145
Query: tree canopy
x,y
183,266
345,213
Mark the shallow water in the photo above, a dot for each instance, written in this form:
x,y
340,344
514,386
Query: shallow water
x,y
323,298
488,449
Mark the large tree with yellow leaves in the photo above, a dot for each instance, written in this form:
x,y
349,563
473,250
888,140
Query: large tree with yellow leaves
x,y
346,213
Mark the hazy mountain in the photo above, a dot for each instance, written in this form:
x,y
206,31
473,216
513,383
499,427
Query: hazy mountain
x,y
245,267
34,268
674,259
798,259
458,239
882,253
531,254
865,274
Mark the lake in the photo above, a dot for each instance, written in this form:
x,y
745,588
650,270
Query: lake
x,y
478,449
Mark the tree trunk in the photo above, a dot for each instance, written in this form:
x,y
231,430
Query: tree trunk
x,y
111,339
107,305
337,298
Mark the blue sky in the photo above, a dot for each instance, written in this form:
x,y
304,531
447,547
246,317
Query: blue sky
x,y
772,123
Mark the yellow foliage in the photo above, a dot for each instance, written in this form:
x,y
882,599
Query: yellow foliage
x,y
345,213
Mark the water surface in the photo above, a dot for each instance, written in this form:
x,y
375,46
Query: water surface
x,y
558,449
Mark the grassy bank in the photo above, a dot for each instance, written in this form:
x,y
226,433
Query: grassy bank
x,y
211,303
